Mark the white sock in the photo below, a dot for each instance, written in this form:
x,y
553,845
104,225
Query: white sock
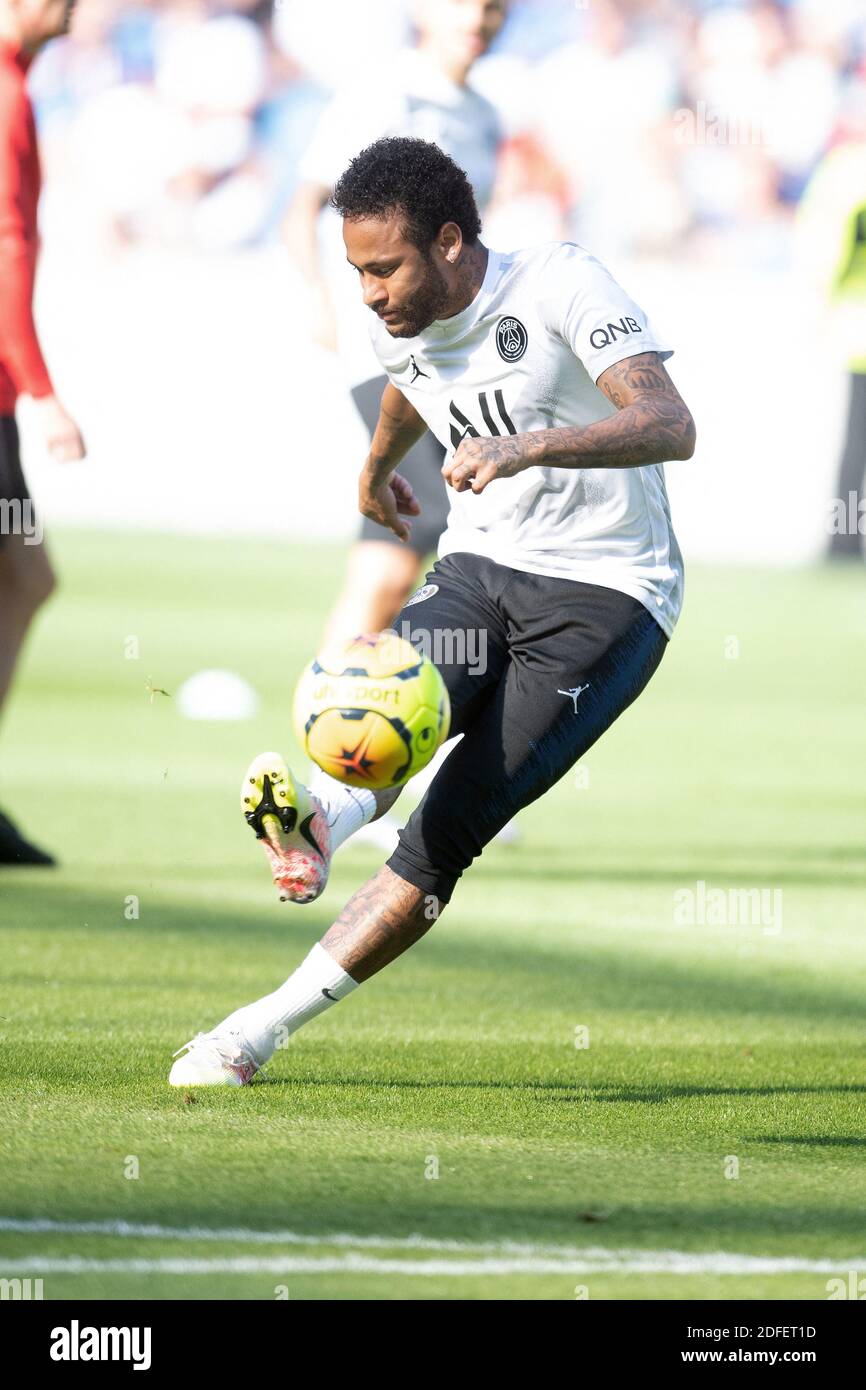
x,y
269,1022
346,808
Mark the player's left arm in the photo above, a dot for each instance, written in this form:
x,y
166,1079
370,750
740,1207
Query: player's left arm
x,y
652,424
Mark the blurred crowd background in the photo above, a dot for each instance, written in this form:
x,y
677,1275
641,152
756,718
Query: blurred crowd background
x,y
631,124
675,139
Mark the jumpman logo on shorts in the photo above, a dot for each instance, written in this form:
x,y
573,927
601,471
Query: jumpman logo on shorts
x,y
575,693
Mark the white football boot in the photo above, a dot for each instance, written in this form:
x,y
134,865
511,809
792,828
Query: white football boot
x,y
214,1059
291,827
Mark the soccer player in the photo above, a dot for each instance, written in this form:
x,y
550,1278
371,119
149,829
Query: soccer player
x,y
424,91
546,385
26,577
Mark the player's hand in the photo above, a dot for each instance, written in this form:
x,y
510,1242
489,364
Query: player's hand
x,y
388,502
477,462
61,434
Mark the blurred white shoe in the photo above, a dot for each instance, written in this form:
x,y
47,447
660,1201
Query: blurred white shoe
x,y
383,834
214,1059
510,834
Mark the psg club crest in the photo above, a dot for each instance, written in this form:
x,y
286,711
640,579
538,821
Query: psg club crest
x,y
511,339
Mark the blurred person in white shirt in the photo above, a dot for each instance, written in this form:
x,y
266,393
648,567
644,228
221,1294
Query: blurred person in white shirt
x,y
600,103
422,92
172,161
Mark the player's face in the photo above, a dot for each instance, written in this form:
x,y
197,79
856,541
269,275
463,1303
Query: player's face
x,y
399,282
463,29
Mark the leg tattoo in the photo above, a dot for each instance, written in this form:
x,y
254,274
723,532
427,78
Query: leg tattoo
x,y
381,921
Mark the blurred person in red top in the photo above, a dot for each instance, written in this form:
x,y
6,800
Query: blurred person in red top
x,y
26,577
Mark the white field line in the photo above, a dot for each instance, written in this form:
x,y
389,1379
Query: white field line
x,y
485,1257
242,1235
649,1262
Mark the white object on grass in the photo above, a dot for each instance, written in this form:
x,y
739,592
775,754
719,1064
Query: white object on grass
x,y
217,695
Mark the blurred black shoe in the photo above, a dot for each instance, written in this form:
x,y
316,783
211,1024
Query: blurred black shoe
x,y
14,849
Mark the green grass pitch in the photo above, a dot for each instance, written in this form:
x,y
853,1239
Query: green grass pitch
x,y
447,1100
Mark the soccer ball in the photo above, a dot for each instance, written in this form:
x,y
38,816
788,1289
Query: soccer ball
x,y
372,711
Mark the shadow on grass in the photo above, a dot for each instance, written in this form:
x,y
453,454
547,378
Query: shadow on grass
x,y
568,1092
557,977
560,868
822,1141
772,866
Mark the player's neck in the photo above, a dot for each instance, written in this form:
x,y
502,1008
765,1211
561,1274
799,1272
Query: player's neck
x,y
10,33
12,37
470,277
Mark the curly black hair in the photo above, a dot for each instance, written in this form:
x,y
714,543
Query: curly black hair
x,y
413,178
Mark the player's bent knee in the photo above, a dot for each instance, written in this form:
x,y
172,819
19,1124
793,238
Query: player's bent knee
x,y
39,584
25,587
390,599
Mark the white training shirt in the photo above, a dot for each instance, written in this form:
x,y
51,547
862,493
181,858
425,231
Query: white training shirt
x,y
413,98
525,355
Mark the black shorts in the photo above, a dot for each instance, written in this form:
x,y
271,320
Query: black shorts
x,y
13,485
422,467
537,669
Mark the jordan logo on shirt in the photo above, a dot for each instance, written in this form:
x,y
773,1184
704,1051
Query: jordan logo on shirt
x,y
575,693
416,370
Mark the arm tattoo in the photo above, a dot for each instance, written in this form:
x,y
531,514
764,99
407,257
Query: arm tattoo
x,y
509,454
652,423
636,374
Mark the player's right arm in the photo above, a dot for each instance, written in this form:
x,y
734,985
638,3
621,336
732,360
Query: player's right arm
x,y
383,496
20,352
301,236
